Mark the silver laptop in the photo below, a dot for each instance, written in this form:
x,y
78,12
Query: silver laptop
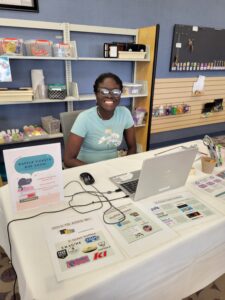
x,y
158,174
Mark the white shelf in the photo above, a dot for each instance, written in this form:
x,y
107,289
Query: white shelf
x,y
69,99
87,97
139,125
38,138
39,57
113,59
73,58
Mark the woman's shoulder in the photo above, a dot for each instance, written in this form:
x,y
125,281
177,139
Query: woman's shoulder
x,y
123,110
87,112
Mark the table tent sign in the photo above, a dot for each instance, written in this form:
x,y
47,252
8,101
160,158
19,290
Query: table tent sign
x,y
34,176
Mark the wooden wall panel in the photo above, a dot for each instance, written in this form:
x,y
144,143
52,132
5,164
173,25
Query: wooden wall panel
x,y
175,91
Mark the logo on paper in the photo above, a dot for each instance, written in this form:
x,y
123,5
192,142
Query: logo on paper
x,y
77,261
31,164
62,254
100,255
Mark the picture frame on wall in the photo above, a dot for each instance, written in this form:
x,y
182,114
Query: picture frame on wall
x,y
23,5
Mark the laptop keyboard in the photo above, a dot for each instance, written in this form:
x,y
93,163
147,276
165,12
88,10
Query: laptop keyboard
x,y
130,186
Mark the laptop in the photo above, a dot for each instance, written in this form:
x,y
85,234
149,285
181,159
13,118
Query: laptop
x,y
158,174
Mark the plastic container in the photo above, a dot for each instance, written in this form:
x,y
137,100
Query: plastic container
x,y
63,50
38,47
132,88
11,46
50,124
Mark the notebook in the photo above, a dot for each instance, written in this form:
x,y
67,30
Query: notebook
x,y
158,174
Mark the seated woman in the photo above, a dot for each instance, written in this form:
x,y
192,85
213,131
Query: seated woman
x,y
98,131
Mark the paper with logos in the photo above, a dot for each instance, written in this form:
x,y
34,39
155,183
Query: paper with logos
x,y
79,245
180,210
34,176
138,232
213,185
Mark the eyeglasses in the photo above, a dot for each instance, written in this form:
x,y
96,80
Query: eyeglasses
x,y
107,92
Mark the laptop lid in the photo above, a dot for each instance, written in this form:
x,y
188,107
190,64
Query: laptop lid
x,y
160,174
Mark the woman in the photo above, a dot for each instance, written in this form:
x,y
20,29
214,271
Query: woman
x,y
98,131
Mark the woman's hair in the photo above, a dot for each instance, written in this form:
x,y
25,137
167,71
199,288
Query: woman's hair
x,y
103,76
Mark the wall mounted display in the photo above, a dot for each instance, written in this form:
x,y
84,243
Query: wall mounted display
x,y
197,48
171,110
25,5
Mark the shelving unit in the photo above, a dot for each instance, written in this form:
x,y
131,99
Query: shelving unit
x,y
142,68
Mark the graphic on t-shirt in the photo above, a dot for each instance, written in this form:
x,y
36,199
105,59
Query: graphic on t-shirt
x,y
110,138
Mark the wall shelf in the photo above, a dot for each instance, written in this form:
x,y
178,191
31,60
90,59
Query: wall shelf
x,y
39,138
142,69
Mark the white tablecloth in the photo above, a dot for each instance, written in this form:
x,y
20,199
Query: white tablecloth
x,y
172,271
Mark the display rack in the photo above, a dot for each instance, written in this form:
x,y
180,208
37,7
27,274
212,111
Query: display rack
x,y
143,68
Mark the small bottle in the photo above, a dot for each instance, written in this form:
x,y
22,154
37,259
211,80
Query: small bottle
x,y
161,110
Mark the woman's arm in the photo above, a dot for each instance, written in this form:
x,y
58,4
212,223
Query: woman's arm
x,y
71,151
129,135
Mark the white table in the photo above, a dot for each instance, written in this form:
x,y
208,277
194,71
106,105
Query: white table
x,y
172,271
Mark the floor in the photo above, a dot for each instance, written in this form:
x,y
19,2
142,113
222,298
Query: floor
x,y
7,277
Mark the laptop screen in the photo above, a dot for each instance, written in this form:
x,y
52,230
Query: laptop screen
x,y
159,174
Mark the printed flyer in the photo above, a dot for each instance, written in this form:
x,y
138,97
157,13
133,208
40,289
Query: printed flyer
x,y
212,185
79,245
178,211
34,176
138,232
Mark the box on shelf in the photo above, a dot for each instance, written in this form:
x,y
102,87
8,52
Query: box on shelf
x,y
57,91
17,95
11,46
38,47
65,49
50,124
132,54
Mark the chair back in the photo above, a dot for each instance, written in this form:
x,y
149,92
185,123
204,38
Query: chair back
x,y
67,119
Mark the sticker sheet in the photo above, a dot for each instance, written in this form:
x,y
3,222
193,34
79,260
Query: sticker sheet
x,y
79,245
179,211
212,185
138,232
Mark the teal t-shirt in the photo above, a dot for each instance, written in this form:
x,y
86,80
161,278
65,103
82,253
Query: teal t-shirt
x,y
101,137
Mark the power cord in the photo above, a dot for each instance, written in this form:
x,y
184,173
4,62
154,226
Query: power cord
x,y
96,193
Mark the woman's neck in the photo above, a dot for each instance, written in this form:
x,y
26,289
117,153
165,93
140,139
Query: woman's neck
x,y
104,114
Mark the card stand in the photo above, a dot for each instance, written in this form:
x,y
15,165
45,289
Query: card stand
x,y
171,110
73,90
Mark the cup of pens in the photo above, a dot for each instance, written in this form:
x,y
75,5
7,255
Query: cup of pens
x,y
208,164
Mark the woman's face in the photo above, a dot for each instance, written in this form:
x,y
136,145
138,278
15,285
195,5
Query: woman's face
x,y
108,94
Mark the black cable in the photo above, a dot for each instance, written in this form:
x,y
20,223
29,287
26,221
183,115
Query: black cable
x,y
96,193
